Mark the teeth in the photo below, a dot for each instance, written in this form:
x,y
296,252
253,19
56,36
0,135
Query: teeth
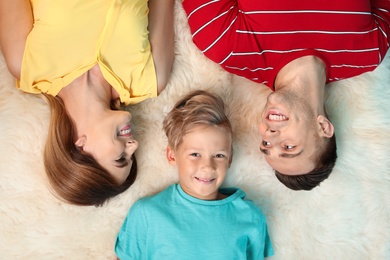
x,y
125,132
277,117
204,180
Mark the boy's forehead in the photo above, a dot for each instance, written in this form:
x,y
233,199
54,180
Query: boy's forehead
x,y
201,130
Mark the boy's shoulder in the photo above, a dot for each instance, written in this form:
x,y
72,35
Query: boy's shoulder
x,y
157,198
152,204
242,203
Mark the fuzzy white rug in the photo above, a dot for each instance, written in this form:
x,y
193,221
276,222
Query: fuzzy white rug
x,y
347,217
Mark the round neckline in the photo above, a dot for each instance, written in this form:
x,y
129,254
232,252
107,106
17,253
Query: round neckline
x,y
231,193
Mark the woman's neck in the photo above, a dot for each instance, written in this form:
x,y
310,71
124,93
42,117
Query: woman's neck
x,y
86,98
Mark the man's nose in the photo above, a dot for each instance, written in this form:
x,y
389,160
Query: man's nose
x,y
271,132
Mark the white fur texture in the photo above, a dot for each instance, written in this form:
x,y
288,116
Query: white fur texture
x,y
347,217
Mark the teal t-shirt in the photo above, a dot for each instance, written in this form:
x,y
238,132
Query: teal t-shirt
x,y
175,225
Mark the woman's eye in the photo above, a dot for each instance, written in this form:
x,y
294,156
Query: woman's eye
x,y
266,143
121,159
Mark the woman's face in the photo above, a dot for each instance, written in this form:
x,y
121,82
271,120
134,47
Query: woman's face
x,y
110,141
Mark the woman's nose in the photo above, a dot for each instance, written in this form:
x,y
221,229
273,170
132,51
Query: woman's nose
x,y
131,145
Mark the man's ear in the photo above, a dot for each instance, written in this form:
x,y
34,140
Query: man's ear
x,y
171,157
80,142
326,127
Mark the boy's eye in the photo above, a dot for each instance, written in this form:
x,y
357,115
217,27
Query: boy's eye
x,y
195,154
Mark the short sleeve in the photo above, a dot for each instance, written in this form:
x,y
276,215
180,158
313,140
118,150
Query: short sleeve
x,y
381,14
261,246
131,239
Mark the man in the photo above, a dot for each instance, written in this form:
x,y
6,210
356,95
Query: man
x,y
295,48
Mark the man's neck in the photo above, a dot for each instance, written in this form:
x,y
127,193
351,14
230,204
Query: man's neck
x,y
306,77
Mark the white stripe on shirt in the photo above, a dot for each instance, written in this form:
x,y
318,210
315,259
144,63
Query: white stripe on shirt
x,y
219,37
200,7
307,31
209,22
304,11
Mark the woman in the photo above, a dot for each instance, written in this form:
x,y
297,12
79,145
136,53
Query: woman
x,y
86,57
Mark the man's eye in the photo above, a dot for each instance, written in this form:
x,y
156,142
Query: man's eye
x,y
289,147
266,143
220,156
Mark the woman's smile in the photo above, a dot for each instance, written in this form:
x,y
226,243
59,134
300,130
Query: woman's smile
x,y
125,131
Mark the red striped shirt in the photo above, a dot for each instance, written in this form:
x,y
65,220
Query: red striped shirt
x,y
255,39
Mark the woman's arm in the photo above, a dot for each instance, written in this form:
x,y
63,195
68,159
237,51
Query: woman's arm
x,y
16,20
161,37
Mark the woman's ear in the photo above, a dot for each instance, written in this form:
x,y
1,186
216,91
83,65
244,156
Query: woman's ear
x,y
80,143
171,157
326,127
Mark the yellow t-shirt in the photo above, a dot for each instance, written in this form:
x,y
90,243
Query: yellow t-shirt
x,y
70,36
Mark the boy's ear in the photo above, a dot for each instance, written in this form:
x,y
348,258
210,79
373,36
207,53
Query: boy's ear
x,y
326,127
80,142
170,153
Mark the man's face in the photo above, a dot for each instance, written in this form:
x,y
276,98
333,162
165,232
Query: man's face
x,y
288,132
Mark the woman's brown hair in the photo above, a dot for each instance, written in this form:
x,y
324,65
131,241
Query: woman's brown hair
x,y
75,176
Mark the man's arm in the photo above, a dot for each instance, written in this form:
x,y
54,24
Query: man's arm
x,y
161,37
16,20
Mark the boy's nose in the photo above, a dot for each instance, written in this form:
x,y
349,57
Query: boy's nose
x,y
208,165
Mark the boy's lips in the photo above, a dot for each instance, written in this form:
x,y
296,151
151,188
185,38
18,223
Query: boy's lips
x,y
204,180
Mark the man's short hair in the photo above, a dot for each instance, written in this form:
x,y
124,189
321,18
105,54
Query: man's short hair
x,y
324,166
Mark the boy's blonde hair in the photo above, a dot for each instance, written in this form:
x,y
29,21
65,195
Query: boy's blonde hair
x,y
194,109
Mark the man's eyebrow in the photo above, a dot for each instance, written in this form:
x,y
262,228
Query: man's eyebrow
x,y
264,151
290,155
283,155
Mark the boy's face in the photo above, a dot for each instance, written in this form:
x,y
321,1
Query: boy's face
x,y
203,159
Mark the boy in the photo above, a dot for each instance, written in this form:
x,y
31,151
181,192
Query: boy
x,y
195,219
